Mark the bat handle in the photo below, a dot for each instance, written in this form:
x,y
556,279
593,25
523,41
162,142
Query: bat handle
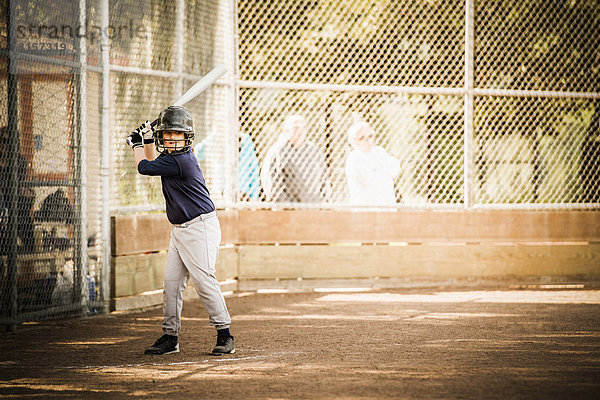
x,y
154,123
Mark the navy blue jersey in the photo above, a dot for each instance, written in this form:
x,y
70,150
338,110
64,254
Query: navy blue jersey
x,y
183,186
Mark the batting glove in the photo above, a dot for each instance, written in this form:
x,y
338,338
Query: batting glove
x,y
135,139
147,132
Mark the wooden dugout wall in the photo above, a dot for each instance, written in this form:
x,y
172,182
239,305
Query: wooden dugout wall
x,y
266,249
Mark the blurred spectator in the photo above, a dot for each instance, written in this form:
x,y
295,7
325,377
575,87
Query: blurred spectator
x,y
25,198
370,170
248,169
294,169
206,151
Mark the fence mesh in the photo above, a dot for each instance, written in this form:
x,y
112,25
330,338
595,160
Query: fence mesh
x,y
535,151
400,43
158,70
537,147
402,68
43,166
399,107
423,133
550,45
398,66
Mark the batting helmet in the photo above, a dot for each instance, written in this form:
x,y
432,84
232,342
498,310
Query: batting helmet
x,y
174,119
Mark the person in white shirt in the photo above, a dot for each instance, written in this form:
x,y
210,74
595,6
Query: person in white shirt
x,y
294,169
370,169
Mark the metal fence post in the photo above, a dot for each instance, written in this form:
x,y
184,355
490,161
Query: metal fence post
x,y
179,46
105,157
80,284
12,104
469,78
234,114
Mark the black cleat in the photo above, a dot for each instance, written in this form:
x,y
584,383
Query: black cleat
x,y
166,344
224,345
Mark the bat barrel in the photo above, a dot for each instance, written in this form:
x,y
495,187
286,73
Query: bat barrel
x,y
203,84
199,87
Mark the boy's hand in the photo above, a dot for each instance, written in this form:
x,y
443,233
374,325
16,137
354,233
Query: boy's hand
x,y
134,139
147,132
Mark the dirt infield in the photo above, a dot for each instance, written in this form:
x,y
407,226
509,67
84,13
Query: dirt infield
x,y
417,343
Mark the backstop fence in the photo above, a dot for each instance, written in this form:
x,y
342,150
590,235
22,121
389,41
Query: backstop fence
x,y
476,104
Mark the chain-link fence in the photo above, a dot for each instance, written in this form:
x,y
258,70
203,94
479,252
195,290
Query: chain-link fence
x,y
175,45
481,103
48,264
78,78
477,104
537,112
412,103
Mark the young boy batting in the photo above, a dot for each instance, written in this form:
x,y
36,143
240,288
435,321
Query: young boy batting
x,y
195,232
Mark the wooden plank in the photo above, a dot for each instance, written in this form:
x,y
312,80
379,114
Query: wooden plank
x,y
329,226
134,234
444,261
228,220
145,233
360,284
135,274
138,273
141,233
227,263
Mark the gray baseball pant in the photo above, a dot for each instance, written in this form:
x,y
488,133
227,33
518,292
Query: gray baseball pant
x,y
192,254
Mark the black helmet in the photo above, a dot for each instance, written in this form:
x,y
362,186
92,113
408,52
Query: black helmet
x,y
174,119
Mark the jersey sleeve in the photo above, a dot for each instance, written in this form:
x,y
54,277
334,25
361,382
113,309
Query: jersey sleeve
x,y
162,166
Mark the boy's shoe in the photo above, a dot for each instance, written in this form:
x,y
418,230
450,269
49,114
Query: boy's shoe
x,y
224,345
166,344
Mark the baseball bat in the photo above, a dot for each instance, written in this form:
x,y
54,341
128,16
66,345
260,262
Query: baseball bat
x,y
204,83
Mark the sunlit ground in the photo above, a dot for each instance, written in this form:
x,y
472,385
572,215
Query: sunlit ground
x,y
498,296
335,343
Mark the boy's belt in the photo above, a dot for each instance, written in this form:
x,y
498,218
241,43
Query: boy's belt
x,y
200,217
